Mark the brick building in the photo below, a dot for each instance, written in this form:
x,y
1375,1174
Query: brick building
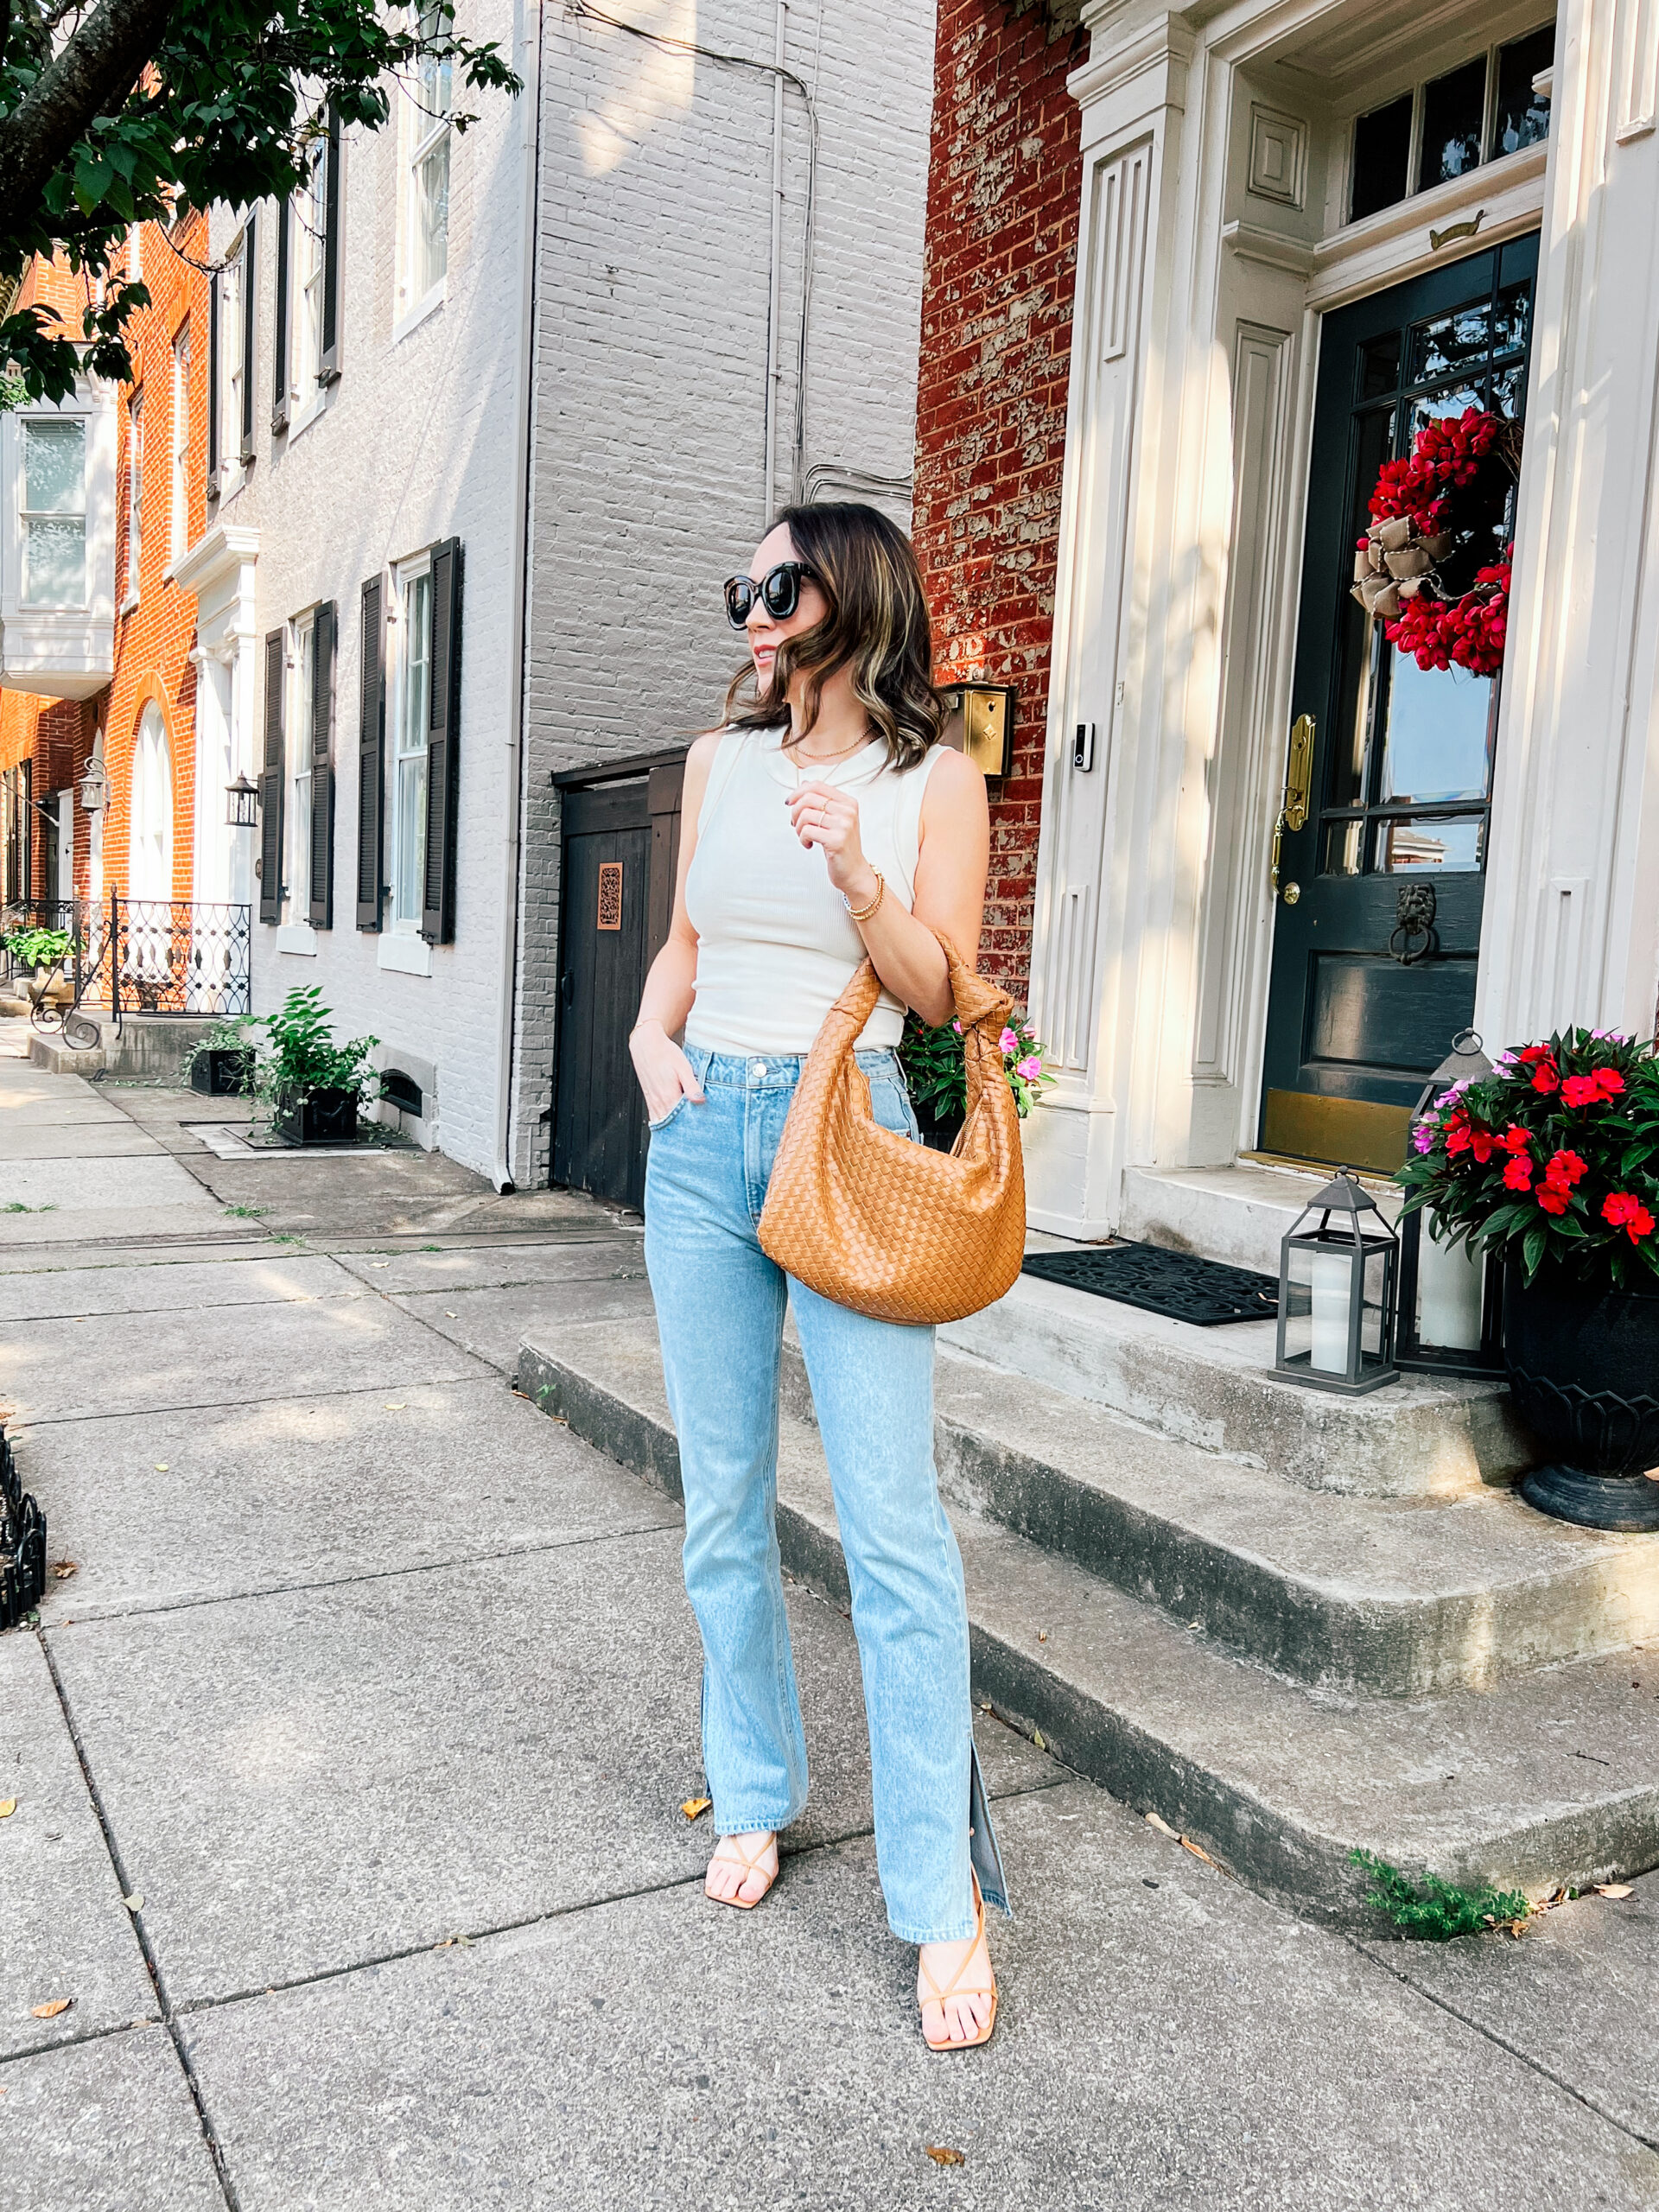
x,y
95,654
998,273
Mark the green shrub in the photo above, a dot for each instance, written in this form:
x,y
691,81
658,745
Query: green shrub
x,y
1439,1910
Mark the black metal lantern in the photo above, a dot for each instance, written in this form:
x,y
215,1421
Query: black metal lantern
x,y
1451,1318
94,787
242,804
1336,1293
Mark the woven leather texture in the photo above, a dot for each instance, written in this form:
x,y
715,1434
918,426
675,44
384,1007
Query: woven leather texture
x,y
882,1224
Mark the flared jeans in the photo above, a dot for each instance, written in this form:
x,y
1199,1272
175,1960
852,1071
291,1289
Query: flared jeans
x,y
720,1310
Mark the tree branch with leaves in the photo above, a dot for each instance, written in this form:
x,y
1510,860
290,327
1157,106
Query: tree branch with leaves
x,y
126,110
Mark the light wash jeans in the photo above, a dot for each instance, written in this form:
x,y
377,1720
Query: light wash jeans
x,y
720,1310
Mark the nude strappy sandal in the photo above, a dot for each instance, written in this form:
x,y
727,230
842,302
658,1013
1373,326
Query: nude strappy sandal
x,y
986,1987
738,1857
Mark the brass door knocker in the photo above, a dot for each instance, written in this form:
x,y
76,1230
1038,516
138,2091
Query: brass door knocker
x,y
1412,934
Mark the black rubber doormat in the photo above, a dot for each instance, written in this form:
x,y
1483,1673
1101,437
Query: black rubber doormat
x,y
1177,1284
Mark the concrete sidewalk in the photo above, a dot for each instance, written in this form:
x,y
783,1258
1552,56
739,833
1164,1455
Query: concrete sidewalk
x,y
349,1763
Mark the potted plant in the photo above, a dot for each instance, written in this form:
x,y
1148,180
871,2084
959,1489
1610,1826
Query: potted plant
x,y
40,953
312,1086
936,1068
1553,1162
222,1063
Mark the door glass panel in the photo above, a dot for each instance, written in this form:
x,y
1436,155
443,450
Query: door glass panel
x,y
1344,844
1454,846
1450,400
1451,344
1523,116
1454,108
1435,740
1374,443
1379,366
1512,319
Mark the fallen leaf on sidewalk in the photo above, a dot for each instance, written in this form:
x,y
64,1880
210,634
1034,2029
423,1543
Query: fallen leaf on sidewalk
x,y
942,2155
51,2012
1197,1850
1612,1889
63,1568
1162,1827
1037,1738
7,1807
694,1808
135,1902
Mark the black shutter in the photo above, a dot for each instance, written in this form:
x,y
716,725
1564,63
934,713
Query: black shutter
x,y
323,768
8,815
279,321
26,827
271,787
442,755
249,282
370,754
328,370
214,290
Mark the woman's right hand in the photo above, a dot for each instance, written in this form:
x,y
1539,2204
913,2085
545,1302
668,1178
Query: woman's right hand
x,y
665,1075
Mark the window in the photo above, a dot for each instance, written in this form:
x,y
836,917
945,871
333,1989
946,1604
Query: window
x,y
54,511
178,531
229,398
135,495
149,837
411,722
308,252
426,214
296,872
1479,111
136,251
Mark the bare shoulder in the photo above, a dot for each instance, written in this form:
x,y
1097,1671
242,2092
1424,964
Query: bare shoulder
x,y
956,787
699,759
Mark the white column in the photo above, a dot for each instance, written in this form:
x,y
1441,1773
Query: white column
x,y
1571,916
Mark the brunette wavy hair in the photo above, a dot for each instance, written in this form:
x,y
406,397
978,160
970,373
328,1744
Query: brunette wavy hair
x,y
877,624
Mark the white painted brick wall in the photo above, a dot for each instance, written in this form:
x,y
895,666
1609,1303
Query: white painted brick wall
x,y
648,470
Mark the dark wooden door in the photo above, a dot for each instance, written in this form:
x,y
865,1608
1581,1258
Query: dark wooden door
x,y
1400,790
620,846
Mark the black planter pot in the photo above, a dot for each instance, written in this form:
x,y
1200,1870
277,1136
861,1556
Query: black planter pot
x,y
940,1131
226,1071
1584,1366
325,1117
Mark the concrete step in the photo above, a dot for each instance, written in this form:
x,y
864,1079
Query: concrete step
x,y
1420,1437
146,1048
1379,1597
1555,1779
1237,1214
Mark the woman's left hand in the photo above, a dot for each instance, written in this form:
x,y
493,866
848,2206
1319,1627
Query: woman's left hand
x,y
821,815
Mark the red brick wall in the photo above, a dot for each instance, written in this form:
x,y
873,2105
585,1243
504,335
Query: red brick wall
x,y
154,639
1003,188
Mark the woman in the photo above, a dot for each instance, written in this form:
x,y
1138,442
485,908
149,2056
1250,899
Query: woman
x,y
824,822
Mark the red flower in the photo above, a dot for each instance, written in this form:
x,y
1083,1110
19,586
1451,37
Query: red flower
x,y
1517,1176
1565,1169
1515,1139
1608,1082
1546,1078
1627,1211
1533,1053
1553,1197
1481,1142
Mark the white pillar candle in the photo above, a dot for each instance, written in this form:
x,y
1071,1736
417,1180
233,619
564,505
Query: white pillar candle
x,y
1448,1296
1332,1284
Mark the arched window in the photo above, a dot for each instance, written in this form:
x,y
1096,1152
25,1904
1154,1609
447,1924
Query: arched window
x,y
150,850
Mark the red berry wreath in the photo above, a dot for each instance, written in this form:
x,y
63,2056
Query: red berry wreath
x,y
1432,514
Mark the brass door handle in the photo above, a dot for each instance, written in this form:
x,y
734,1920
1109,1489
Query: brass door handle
x,y
1298,789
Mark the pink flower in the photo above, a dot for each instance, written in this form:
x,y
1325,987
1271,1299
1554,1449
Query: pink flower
x,y
1031,1067
1008,1041
1423,1137
957,1025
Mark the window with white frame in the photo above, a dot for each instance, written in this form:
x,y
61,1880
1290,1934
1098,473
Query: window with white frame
x,y
54,510
310,220
296,872
179,525
135,495
135,251
426,192
410,718
232,369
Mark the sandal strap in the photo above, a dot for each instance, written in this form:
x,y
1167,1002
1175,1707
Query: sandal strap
x,y
738,1857
938,1996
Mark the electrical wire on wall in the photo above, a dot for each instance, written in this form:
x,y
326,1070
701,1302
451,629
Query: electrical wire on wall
x,y
779,74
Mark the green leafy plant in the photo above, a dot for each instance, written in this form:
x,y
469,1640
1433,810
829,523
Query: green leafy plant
x,y
935,1062
301,1056
1554,1157
38,948
231,1035
1438,1912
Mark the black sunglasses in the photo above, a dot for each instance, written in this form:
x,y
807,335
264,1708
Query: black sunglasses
x,y
779,590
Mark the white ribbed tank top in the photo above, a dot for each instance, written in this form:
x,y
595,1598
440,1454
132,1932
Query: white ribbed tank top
x,y
776,947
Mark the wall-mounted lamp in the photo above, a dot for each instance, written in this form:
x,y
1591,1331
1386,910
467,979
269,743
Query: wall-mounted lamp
x,y
95,788
979,721
242,804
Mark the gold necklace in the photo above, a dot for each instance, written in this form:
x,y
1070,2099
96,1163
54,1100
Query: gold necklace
x,y
817,760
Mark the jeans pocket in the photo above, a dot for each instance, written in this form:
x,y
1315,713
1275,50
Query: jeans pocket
x,y
672,1115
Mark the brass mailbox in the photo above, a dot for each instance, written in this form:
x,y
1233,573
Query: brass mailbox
x,y
979,721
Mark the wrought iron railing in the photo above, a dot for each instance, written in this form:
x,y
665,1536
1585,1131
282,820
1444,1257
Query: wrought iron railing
x,y
143,955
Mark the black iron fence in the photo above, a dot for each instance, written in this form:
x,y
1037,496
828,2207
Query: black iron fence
x,y
142,955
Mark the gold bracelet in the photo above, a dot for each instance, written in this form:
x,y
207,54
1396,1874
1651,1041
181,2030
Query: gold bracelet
x,y
862,913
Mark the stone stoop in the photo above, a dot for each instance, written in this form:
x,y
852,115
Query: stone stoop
x,y
1439,1677
148,1047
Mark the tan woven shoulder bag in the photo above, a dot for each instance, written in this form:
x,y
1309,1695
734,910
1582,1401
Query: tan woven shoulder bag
x,y
868,1218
